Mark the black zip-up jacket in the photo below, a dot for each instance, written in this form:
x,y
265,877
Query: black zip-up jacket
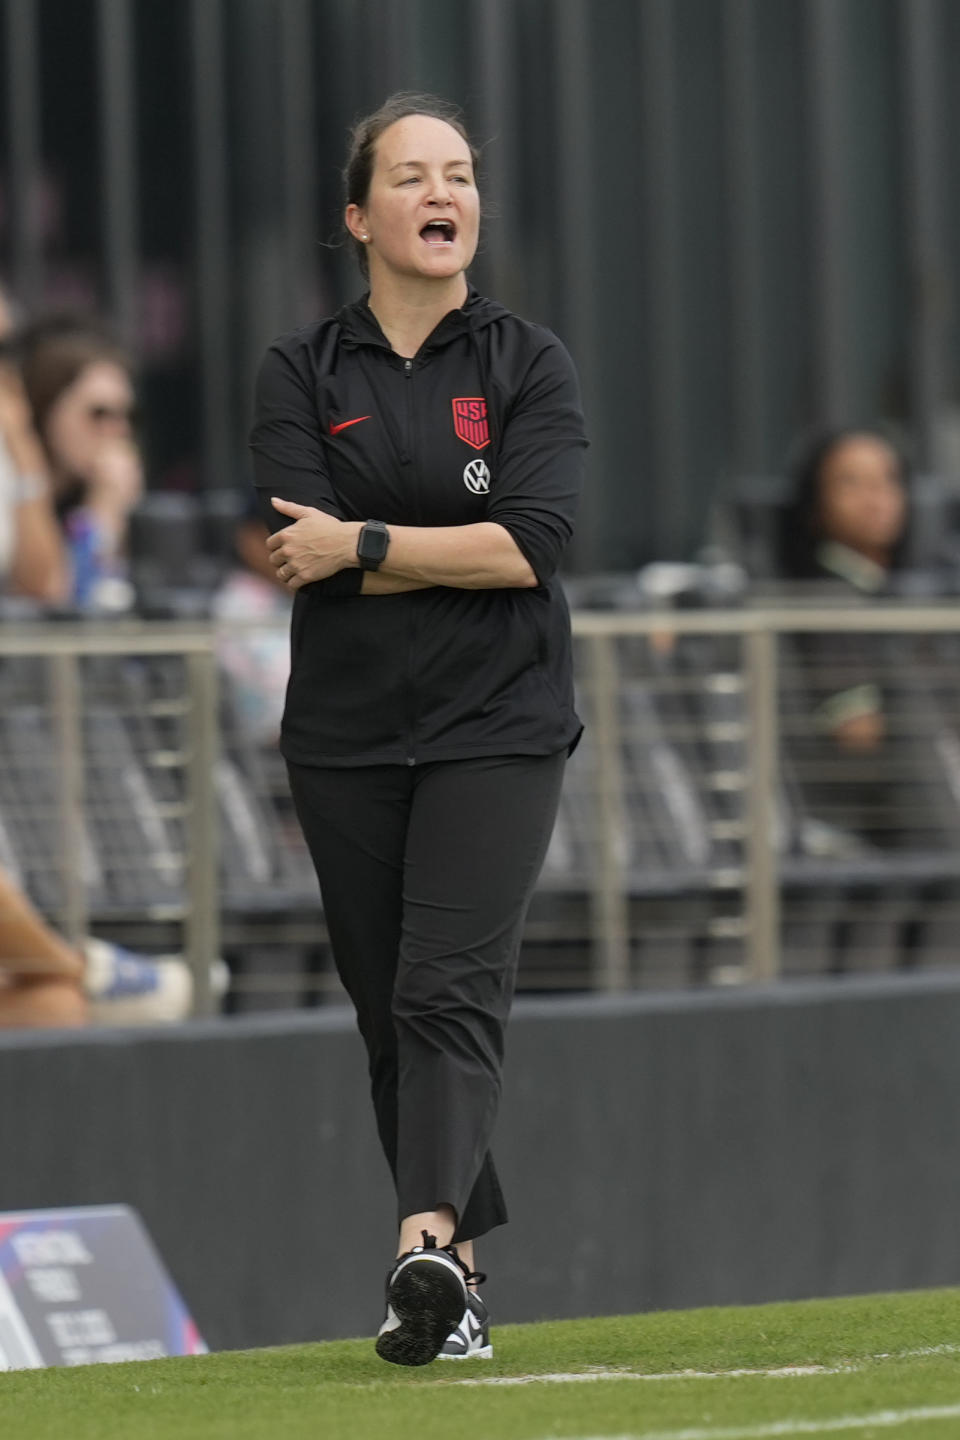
x,y
483,424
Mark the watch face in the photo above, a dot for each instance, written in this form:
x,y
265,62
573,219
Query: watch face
x,y
373,543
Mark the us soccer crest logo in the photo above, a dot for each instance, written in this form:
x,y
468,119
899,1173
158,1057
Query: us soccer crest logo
x,y
470,421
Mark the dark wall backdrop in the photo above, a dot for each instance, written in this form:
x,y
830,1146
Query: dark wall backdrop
x,y
741,215
722,1148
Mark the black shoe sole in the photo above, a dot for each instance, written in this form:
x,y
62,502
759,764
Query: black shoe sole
x,y
428,1300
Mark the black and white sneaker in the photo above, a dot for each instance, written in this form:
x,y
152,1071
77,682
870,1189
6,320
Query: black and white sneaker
x,y
426,1298
471,1339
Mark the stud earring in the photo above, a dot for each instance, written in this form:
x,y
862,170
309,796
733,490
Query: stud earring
x,y
364,237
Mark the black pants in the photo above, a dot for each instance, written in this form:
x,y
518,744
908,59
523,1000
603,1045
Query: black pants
x,y
426,873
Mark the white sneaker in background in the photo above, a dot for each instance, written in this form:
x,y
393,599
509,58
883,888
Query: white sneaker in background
x,y
127,989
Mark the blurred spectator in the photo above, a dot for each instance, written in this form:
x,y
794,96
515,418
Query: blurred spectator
x,y
33,558
257,659
79,383
44,982
863,726
846,527
850,502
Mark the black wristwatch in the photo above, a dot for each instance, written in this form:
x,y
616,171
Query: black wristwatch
x,y
372,545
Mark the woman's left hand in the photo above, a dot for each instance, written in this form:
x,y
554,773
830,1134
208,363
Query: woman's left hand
x,y
314,547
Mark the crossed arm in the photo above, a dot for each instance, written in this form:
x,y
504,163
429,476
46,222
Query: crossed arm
x,y
482,556
539,470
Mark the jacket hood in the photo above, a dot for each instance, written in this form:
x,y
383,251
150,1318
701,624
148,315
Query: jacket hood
x,y
358,324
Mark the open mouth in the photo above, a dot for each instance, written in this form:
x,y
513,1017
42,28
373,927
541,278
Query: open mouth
x,y
439,232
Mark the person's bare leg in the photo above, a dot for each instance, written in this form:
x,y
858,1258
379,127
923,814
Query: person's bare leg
x,y
441,1223
42,1003
28,946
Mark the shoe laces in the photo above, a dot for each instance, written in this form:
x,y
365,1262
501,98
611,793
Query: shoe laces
x,y
470,1277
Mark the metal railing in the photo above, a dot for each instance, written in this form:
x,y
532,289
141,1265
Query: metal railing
x,y
671,831
63,649
758,631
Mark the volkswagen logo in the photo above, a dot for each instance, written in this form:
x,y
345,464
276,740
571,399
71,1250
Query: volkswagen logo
x,y
476,477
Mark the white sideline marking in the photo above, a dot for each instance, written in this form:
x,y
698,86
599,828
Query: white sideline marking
x,y
576,1377
880,1419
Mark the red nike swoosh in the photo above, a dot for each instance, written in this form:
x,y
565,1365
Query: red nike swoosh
x,y
335,429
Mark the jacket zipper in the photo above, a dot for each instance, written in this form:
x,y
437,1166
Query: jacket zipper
x,y
406,460
408,416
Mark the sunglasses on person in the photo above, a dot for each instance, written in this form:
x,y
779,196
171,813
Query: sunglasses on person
x,y
99,413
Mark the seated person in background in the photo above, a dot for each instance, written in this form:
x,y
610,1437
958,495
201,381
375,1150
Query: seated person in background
x,y
257,659
44,982
862,719
33,558
79,384
846,527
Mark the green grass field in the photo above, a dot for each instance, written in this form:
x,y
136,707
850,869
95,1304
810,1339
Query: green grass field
x,y
873,1366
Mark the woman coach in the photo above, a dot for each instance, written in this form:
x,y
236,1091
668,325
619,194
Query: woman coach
x,y
422,450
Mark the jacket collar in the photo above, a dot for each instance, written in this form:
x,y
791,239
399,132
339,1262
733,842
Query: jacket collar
x,y
358,324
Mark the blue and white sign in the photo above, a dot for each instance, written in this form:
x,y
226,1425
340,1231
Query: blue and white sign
x,y
86,1287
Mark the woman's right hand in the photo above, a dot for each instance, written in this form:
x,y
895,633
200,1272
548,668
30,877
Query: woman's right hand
x,y
114,487
115,479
